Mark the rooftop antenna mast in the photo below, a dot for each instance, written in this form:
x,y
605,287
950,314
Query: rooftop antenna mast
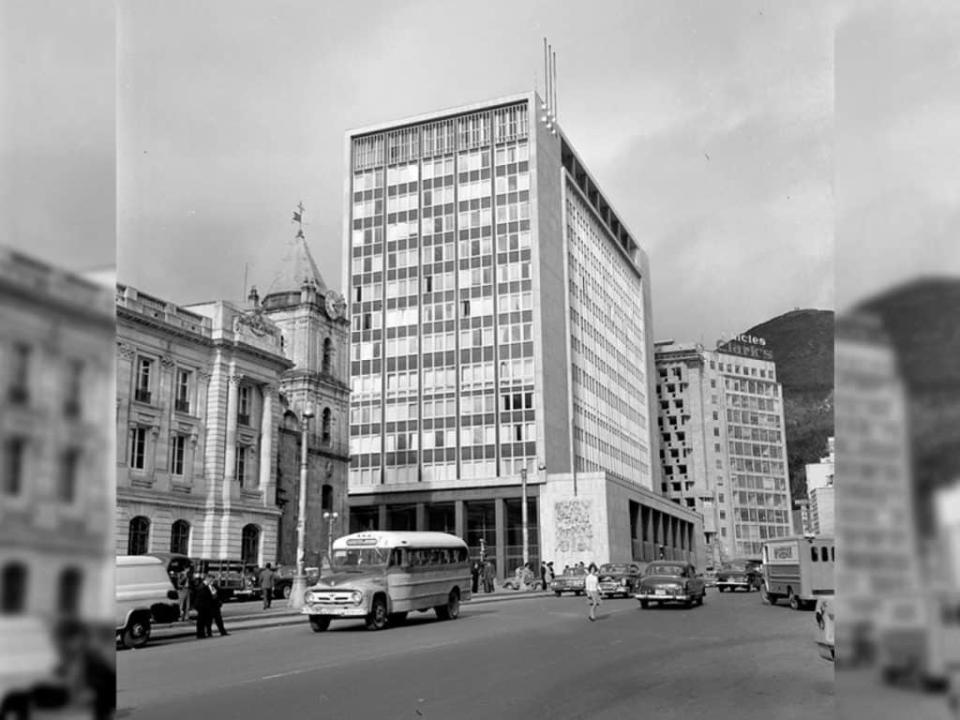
x,y
548,104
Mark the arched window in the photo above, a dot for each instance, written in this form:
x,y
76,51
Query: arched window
x,y
327,356
138,536
180,537
13,587
326,421
69,591
250,545
326,498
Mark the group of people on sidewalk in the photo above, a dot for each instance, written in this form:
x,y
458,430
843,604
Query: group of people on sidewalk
x,y
203,595
200,594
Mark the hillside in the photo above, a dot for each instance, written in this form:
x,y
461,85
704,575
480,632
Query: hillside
x,y
802,342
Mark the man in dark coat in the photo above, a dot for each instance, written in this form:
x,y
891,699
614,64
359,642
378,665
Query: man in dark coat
x,y
475,576
215,616
203,601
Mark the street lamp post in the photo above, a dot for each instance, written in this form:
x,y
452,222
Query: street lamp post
x,y
330,518
523,511
299,586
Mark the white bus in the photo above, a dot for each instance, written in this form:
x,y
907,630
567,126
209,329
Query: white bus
x,y
381,576
798,569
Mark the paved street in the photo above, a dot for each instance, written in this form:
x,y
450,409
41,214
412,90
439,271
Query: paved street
x,y
733,657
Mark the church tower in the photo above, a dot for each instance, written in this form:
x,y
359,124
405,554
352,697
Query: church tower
x,y
314,328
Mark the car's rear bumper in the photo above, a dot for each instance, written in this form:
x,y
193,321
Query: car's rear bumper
x,y
615,590
659,597
734,584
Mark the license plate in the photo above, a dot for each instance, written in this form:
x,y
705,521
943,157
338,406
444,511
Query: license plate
x,y
326,610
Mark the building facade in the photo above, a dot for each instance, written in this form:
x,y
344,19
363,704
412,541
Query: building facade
x,y
722,443
500,316
820,506
880,557
56,489
197,418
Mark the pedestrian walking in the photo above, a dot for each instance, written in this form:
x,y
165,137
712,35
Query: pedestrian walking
x,y
267,579
183,594
592,586
543,575
474,576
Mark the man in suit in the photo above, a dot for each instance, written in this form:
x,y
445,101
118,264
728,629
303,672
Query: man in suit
x,y
203,601
266,585
215,616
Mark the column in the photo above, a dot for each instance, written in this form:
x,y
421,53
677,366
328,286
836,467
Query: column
x,y
500,520
460,519
265,456
124,381
422,517
230,450
382,516
197,443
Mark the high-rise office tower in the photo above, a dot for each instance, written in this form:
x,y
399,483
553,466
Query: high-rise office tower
x,y
723,445
500,317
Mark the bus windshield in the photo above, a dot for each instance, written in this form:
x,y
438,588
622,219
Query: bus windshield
x,y
358,560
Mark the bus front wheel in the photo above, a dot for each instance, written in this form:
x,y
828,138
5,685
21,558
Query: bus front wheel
x,y
450,611
319,623
377,619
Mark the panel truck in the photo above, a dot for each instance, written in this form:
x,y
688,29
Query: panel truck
x,y
798,569
919,631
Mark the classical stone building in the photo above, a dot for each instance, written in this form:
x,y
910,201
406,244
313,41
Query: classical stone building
x,y
197,418
56,489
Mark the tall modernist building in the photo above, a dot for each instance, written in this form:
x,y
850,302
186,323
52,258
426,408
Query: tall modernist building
x,y
723,446
500,320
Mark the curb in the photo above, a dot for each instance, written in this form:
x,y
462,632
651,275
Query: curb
x,y
253,622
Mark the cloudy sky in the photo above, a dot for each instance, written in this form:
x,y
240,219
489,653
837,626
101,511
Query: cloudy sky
x,y
710,126
898,146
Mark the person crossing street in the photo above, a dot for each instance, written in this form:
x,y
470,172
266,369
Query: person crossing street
x,y
267,579
592,586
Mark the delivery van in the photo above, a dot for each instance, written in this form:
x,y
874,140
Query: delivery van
x,y
144,595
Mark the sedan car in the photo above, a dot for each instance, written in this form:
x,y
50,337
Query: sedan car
x,y
573,580
666,581
619,579
745,574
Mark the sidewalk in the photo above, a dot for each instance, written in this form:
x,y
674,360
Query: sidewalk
x,y
249,615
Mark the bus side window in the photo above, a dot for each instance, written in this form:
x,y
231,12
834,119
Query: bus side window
x,y
396,557
823,554
813,554
833,556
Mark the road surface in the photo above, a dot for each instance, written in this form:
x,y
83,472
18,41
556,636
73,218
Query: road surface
x,y
529,658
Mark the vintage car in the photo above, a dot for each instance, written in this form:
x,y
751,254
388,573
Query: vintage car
x,y
619,579
743,574
573,580
671,581
283,579
825,616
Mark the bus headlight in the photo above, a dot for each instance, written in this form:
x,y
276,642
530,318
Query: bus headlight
x,y
357,597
